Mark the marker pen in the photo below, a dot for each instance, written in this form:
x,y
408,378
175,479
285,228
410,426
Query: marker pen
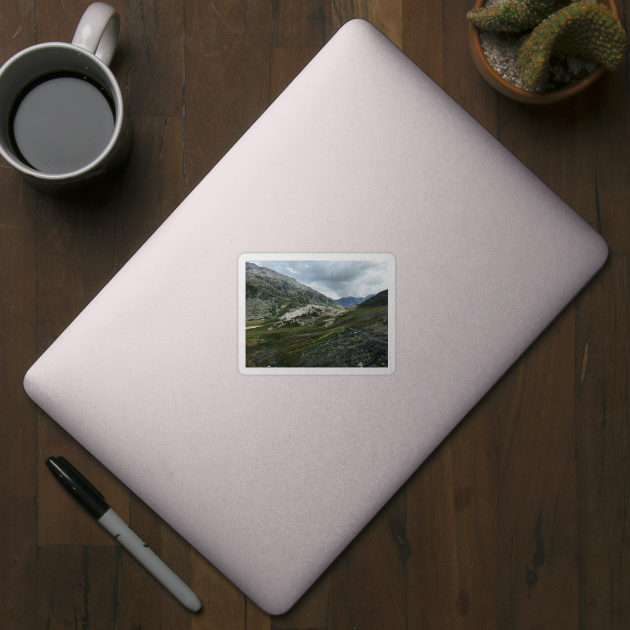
x,y
94,502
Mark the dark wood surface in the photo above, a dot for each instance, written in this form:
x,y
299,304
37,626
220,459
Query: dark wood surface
x,y
518,520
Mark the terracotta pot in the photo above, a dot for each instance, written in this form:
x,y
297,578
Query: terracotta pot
x,y
518,94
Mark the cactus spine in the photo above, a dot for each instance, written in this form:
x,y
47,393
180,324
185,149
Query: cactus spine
x,y
583,29
513,16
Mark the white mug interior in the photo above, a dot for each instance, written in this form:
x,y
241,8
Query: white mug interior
x,y
36,62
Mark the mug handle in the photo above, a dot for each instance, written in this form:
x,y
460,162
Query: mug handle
x,y
98,30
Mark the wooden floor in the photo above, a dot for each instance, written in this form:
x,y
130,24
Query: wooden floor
x,y
518,520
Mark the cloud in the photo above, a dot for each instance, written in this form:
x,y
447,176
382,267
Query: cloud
x,y
334,278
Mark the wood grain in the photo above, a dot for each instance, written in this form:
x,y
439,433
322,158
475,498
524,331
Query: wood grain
x,y
18,416
151,187
313,610
609,133
422,36
573,148
537,510
461,79
226,78
602,380
154,57
224,606
369,577
76,587
386,15
300,22
18,419
285,64
61,521
452,515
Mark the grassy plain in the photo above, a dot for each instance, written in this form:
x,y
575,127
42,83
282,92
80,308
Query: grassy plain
x,y
356,338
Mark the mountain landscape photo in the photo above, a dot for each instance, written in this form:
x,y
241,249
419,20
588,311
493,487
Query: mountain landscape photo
x,y
292,324
350,301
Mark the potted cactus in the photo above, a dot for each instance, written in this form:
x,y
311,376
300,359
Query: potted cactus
x,y
558,49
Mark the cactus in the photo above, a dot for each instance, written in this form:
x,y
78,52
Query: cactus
x,y
513,16
584,29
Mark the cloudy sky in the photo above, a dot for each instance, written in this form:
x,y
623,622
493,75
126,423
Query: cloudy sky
x,y
334,278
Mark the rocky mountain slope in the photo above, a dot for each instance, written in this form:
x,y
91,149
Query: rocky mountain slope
x,y
351,301
318,336
270,294
380,299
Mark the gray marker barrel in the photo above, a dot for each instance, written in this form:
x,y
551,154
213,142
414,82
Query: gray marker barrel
x,y
149,559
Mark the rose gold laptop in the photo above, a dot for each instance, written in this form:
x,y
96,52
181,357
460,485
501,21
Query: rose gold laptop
x,y
219,374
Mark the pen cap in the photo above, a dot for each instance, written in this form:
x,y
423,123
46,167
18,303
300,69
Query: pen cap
x,y
78,486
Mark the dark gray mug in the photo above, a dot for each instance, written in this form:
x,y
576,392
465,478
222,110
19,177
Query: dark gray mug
x,y
86,60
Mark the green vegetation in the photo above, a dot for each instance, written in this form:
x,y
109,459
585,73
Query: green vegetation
x,y
380,299
356,336
586,29
582,29
291,325
269,294
513,16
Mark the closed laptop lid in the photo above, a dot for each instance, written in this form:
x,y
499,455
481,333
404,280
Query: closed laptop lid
x,y
362,169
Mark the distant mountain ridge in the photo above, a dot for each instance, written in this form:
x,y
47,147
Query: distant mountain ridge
x,y
380,299
352,301
270,294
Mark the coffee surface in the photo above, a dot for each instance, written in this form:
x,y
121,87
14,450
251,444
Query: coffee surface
x,y
62,124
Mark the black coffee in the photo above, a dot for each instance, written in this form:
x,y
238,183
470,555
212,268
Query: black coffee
x,y
61,123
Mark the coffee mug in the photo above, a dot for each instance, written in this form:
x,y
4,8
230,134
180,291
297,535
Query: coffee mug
x,y
62,114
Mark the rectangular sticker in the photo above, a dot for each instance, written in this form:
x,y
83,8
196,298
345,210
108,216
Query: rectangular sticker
x,y
329,314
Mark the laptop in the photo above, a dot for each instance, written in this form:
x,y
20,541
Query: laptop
x,y
316,316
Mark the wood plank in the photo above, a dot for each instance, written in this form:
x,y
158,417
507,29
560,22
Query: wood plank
x,y
171,158
603,442
452,527
285,64
255,617
423,36
313,610
461,78
558,147
18,423
61,520
224,606
565,147
226,78
74,248
55,23
76,587
369,577
300,22
608,127
537,537
17,28
452,499
575,150
152,185
154,57
386,15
